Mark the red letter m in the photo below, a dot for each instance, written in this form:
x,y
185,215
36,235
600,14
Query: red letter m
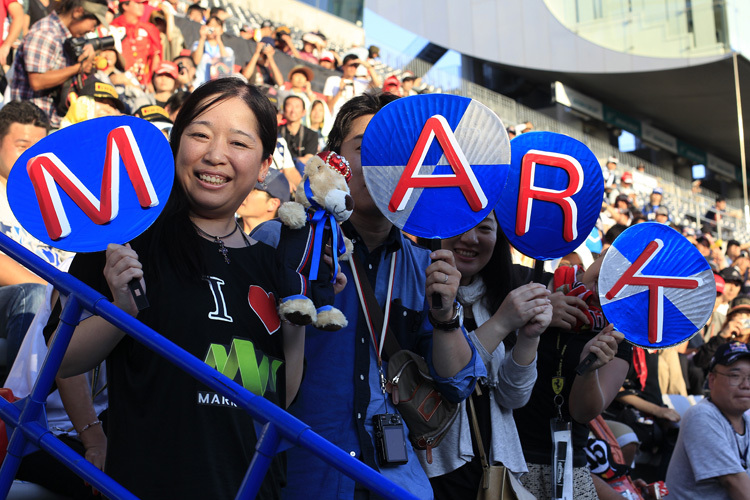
x,y
46,171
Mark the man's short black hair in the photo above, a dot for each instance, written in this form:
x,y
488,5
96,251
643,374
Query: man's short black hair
x,y
361,105
216,10
350,57
292,96
23,112
195,6
732,243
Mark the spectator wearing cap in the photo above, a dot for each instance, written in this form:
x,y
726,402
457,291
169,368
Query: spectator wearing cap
x,y
662,215
732,285
373,54
263,61
94,100
736,326
302,141
165,82
141,46
392,85
625,187
618,212
312,44
407,84
327,60
156,115
211,57
263,202
340,89
284,41
610,172
300,78
41,66
710,460
654,202
247,32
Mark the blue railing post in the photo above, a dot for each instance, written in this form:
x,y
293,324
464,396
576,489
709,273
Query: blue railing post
x,y
265,449
35,402
278,423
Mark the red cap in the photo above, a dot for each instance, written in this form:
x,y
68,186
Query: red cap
x,y
719,284
337,162
167,68
627,177
392,81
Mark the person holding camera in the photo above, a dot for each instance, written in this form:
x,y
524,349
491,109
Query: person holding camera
x,y
211,57
264,62
42,66
340,89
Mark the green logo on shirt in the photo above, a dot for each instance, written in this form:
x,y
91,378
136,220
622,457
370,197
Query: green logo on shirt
x,y
257,377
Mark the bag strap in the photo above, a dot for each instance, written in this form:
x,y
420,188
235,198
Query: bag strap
x,y
371,308
477,434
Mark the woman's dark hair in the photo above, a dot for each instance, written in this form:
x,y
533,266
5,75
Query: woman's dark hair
x,y
362,105
173,231
498,275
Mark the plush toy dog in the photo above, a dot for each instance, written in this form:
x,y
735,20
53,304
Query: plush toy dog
x,y
308,224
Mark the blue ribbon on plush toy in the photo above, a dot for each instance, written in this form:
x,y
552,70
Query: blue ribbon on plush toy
x,y
319,217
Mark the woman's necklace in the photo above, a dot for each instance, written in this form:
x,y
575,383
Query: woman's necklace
x,y
219,239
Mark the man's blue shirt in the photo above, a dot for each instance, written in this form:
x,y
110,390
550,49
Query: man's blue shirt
x,y
341,392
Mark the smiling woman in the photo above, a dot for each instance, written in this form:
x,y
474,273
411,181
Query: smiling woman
x,y
495,306
211,291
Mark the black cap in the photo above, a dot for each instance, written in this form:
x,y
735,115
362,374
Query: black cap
x,y
731,274
729,353
276,185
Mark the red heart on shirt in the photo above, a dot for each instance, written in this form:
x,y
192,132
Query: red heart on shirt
x,y
264,305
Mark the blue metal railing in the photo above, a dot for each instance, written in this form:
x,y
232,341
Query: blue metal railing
x,y
24,415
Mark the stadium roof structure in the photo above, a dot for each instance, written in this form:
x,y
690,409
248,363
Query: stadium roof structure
x,y
695,103
691,97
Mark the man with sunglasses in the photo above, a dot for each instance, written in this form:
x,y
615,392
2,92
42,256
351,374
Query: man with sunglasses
x,y
42,66
710,460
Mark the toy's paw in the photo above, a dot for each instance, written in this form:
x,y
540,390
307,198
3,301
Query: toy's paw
x,y
349,249
330,319
292,214
298,310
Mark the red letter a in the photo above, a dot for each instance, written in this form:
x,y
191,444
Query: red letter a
x,y
463,176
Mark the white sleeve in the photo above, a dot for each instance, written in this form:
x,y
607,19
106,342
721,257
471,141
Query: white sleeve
x,y
332,86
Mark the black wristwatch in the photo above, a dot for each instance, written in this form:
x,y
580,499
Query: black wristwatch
x,y
455,322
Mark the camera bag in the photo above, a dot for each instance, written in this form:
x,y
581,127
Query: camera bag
x,y
426,413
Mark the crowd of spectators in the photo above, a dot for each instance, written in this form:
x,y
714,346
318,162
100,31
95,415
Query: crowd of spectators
x,y
166,49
